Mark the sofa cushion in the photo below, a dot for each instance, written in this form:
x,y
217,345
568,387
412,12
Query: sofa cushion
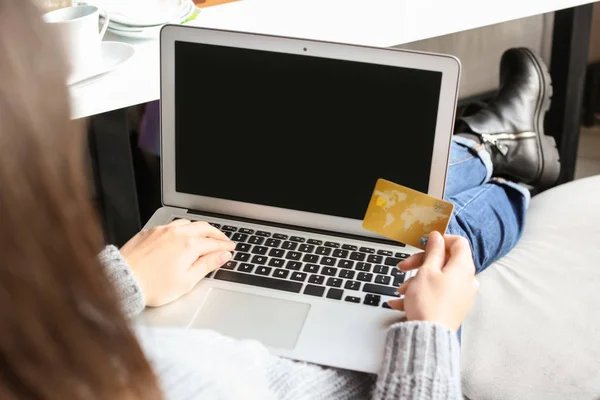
x,y
534,331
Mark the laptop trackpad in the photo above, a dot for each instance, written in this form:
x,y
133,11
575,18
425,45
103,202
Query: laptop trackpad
x,y
273,322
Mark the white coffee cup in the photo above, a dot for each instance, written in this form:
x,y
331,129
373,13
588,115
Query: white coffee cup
x,y
79,29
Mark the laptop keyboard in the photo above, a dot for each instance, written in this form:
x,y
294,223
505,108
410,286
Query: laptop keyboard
x,y
330,269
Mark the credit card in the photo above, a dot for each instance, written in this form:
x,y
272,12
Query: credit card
x,y
405,215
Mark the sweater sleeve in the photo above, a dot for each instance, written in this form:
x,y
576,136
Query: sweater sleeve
x,y
421,361
119,274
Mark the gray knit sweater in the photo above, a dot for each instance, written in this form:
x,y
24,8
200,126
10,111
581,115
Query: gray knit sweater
x,y
421,360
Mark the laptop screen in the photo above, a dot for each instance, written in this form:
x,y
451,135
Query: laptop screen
x,y
299,132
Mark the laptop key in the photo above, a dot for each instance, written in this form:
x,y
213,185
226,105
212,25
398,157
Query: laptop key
x,y
263,234
272,242
352,299
245,247
312,268
314,290
328,261
340,253
349,247
352,285
386,305
356,256
332,244
398,280
315,241
396,272
229,265
256,240
276,253
381,269
297,239
385,253
345,264
312,258
364,276
374,259
262,250
347,274
380,289
335,294
330,271
276,262
306,248
367,250
402,255
294,265
289,245
263,270
372,300
363,266
335,282
293,255
383,279
228,234
323,251
261,281
392,262
239,237
261,260
298,276
318,279
280,236
241,256
245,267
281,273
246,231
229,228
218,226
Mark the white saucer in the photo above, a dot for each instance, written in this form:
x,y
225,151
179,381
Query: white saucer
x,y
113,55
144,13
151,31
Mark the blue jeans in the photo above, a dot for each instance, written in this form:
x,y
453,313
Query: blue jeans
x,y
489,212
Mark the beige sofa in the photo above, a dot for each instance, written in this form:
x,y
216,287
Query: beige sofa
x,y
534,332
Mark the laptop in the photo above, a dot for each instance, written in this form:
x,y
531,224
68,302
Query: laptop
x,y
279,142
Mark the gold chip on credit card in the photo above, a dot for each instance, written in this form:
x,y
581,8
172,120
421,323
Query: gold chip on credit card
x,y
405,215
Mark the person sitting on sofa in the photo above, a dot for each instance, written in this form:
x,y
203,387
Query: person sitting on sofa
x,y
63,334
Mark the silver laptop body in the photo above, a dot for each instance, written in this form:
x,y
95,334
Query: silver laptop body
x,y
279,143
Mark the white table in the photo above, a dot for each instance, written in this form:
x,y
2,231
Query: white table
x,y
379,23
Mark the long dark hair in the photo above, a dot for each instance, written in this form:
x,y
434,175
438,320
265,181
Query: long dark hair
x,y
62,335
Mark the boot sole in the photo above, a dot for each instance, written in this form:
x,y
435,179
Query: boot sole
x,y
548,152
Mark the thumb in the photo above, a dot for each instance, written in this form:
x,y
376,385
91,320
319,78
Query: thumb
x,y
435,253
208,263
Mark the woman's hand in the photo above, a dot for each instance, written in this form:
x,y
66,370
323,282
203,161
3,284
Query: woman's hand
x,y
169,260
444,288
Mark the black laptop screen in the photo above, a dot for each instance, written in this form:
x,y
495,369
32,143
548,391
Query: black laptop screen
x,y
299,132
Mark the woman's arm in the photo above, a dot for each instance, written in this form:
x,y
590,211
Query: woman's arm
x,y
161,264
126,287
422,356
421,361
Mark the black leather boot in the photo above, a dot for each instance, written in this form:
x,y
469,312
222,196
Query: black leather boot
x,y
511,126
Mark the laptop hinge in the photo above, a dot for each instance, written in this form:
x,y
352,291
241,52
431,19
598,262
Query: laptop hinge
x,y
299,228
